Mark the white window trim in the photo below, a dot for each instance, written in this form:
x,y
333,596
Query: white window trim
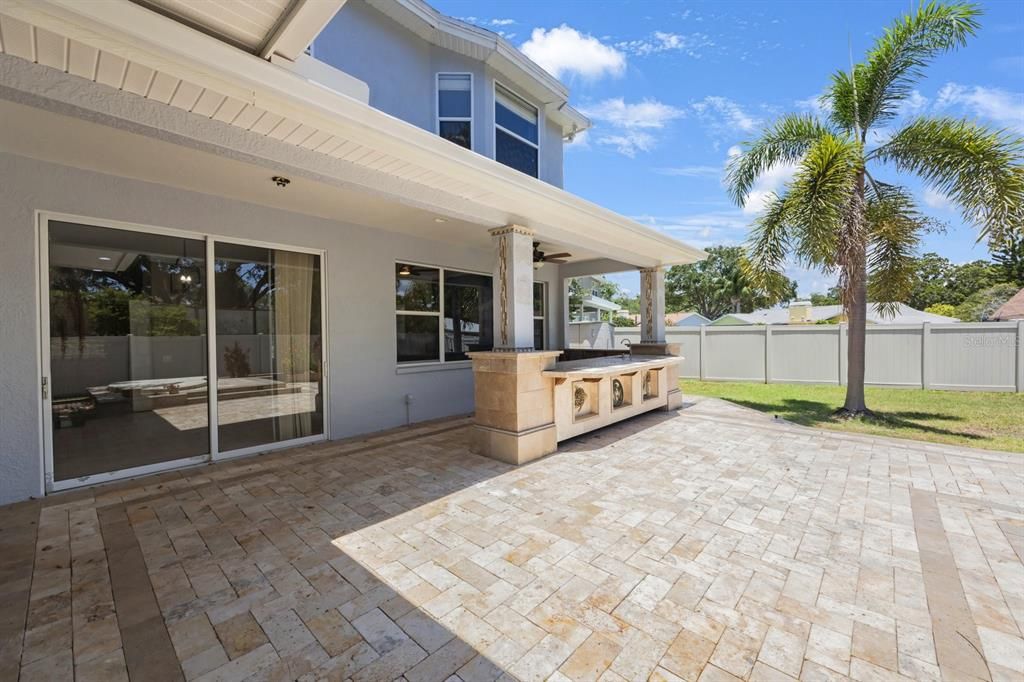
x,y
437,106
403,367
494,118
544,314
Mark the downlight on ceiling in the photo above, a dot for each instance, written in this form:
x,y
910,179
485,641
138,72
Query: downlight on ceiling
x,y
440,220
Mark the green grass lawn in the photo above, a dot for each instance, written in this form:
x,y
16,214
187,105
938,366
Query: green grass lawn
x,y
994,421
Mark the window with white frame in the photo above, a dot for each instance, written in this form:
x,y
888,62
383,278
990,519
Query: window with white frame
x,y
539,316
441,314
516,124
455,108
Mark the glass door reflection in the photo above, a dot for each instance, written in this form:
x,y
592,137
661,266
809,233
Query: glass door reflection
x,y
127,335
269,346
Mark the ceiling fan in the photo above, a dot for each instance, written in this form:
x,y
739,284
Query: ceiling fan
x,y
540,258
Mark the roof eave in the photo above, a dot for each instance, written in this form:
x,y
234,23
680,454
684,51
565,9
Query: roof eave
x,y
144,36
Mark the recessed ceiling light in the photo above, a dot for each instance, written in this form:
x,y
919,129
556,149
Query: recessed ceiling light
x,y
105,258
440,220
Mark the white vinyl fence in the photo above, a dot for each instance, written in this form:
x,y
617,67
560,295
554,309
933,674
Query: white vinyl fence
x,y
962,357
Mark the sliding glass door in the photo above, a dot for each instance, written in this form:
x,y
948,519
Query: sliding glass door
x,y
269,355
127,346
133,376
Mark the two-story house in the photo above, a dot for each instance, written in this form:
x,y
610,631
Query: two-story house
x,y
233,226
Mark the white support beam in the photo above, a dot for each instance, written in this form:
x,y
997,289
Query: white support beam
x,y
513,288
652,305
299,27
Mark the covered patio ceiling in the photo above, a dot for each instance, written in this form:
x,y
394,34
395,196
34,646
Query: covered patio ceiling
x,y
168,81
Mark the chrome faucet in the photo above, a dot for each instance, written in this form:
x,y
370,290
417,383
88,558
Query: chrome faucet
x,y
629,348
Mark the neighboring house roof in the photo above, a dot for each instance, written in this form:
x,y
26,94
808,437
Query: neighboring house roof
x,y
489,47
1012,309
904,315
686,319
600,303
330,136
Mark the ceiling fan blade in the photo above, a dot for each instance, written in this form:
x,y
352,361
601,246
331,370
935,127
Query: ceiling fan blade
x,y
557,261
548,257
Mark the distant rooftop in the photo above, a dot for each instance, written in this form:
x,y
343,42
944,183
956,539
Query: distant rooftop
x,y
904,315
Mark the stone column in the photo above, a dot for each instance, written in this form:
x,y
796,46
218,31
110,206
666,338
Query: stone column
x,y
652,305
514,413
652,330
513,288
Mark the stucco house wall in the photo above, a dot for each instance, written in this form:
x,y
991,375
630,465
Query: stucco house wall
x,y
401,68
366,388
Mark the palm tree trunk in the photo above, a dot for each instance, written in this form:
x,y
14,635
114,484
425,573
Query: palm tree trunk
x,y
858,313
855,266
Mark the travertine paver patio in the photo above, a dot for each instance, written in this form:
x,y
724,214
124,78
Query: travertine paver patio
x,y
712,544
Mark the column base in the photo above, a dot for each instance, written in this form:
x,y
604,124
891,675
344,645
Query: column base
x,y
514,447
675,401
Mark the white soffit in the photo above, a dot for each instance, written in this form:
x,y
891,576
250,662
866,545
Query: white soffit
x,y
126,47
264,27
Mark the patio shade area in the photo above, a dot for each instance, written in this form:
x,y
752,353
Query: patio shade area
x,y
710,543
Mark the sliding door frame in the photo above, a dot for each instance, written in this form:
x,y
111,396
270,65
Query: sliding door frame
x,y
43,219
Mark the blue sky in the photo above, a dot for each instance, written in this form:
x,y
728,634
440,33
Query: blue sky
x,y
673,87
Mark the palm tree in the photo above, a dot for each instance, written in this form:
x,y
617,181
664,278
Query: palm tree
x,y
838,214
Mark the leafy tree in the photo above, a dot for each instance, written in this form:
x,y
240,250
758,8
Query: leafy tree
x,y
831,297
981,305
838,214
630,303
1009,258
720,284
936,280
622,321
944,309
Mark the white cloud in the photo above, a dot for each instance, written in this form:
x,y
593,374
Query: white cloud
x,y
915,103
566,51
768,185
693,171
630,126
648,113
815,105
702,230
725,116
502,22
629,142
933,198
690,44
999,106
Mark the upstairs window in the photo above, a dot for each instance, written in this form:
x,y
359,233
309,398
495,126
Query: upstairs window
x,y
455,108
515,131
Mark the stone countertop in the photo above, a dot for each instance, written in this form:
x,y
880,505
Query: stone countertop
x,y
615,364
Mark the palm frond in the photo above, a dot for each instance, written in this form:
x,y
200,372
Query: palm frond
x,y
766,250
819,197
894,225
872,93
785,141
980,170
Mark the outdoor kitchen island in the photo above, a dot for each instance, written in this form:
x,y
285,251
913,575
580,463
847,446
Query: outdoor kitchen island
x,y
596,392
526,402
